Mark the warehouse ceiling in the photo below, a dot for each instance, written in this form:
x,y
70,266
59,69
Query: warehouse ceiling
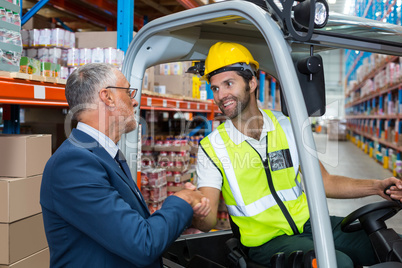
x,y
101,15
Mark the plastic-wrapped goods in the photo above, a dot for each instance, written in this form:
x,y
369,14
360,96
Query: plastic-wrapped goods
x,y
34,37
30,66
2,35
110,55
46,69
158,193
32,52
9,16
56,69
120,57
44,37
57,37
3,14
10,57
67,39
64,57
55,55
24,53
73,57
98,55
25,37
64,72
156,177
10,37
85,56
72,39
16,19
49,69
43,54
154,206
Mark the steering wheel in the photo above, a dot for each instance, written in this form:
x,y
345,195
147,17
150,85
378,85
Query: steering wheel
x,y
371,217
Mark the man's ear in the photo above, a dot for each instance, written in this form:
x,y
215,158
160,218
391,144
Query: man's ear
x,y
107,97
253,84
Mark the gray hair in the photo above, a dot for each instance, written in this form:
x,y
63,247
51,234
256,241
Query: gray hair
x,y
84,84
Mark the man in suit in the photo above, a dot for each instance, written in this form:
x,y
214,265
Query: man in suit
x,y
94,214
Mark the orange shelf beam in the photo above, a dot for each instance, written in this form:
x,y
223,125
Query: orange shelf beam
x,y
176,105
28,92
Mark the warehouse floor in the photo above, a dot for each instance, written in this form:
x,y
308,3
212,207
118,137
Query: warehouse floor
x,y
345,158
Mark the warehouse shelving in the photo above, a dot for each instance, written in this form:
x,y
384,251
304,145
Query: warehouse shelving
x,y
30,92
374,120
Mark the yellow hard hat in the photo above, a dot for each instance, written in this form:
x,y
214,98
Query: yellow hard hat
x,y
224,54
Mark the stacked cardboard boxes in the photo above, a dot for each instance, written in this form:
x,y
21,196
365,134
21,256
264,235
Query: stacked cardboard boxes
x,y
180,85
153,187
172,79
22,236
336,130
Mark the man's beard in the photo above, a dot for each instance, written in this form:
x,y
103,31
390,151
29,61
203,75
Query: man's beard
x,y
240,104
127,122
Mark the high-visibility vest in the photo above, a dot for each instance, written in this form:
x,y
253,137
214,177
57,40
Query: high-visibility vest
x,y
264,198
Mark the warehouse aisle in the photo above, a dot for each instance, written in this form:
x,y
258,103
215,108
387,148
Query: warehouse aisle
x,y
345,158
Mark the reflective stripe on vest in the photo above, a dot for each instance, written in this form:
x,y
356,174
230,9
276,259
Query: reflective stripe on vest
x,y
263,205
287,128
267,201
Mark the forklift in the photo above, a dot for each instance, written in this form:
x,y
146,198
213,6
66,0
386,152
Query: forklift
x,y
286,37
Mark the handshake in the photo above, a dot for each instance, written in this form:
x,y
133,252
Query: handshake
x,y
196,199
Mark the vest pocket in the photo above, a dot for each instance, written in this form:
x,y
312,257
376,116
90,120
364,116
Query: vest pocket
x,y
280,159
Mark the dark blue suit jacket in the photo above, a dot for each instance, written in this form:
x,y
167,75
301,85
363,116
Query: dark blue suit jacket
x,y
92,216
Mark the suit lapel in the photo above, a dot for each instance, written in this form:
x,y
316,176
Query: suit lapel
x,y
86,141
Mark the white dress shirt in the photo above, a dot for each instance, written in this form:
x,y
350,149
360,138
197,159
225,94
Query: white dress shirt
x,y
103,140
209,175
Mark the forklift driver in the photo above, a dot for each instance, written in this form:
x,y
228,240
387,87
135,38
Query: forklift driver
x,y
253,160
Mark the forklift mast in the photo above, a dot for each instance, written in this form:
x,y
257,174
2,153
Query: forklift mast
x,y
272,36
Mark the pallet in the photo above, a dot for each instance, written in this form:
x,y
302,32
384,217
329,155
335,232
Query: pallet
x,y
32,77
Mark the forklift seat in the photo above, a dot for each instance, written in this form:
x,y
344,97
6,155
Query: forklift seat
x,y
238,255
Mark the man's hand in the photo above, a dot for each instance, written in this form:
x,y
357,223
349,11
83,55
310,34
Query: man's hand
x,y
196,199
395,192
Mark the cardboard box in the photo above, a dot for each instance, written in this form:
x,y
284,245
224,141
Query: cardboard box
x,y
173,68
24,155
174,188
19,198
160,89
175,84
194,149
182,169
94,39
21,239
182,178
40,259
145,148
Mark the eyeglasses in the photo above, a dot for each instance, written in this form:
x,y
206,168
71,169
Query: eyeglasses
x,y
131,94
